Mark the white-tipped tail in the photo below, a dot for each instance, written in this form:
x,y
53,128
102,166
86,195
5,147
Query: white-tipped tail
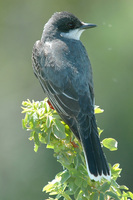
x,y
98,177
97,165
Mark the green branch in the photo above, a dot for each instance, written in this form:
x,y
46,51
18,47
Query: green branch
x,y
73,182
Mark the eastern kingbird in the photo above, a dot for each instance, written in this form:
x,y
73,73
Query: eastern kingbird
x,y
62,66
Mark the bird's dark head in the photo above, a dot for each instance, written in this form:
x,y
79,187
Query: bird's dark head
x,y
65,24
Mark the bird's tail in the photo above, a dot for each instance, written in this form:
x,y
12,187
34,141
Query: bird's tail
x,y
96,162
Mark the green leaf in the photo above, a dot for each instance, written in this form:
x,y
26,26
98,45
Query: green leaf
x,y
23,124
94,196
50,146
99,131
48,133
35,117
58,133
51,186
105,187
72,185
113,195
36,147
48,121
116,190
123,187
77,190
102,197
130,194
46,106
53,193
127,194
98,110
80,195
36,139
114,183
110,143
115,171
65,176
59,126
47,187
57,197
116,166
78,181
66,196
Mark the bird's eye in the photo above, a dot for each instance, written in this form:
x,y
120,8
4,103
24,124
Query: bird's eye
x,y
70,25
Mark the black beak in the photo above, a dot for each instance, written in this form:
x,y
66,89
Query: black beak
x,y
87,25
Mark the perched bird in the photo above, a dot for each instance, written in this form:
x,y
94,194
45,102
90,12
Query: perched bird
x,y
62,66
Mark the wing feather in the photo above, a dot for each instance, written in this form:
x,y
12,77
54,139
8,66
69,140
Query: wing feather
x,y
65,99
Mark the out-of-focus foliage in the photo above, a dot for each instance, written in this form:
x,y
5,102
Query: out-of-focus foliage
x,y
47,127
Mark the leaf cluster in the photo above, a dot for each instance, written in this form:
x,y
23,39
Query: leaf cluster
x,y
73,182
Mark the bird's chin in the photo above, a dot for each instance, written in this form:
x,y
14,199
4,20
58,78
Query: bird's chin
x,y
73,34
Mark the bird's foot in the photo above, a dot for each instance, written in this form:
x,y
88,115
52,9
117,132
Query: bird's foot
x,y
74,144
50,105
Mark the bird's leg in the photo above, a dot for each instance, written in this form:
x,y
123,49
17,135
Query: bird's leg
x,y
50,105
73,143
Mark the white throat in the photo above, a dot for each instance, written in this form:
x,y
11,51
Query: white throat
x,y
73,34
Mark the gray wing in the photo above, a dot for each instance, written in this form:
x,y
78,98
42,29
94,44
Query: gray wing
x,y
60,97
70,103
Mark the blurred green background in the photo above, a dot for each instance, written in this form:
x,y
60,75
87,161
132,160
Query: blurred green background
x,y
23,173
